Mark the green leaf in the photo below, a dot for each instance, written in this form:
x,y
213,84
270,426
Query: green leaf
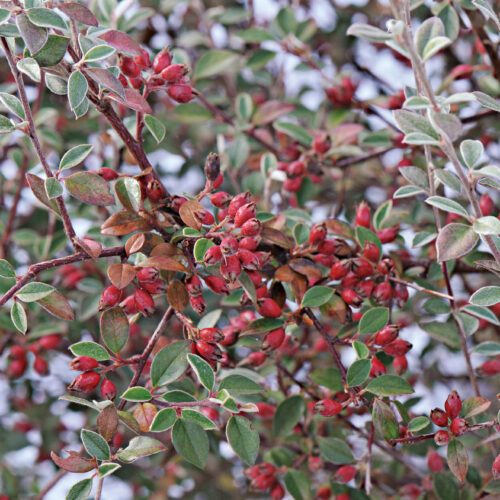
x,y
317,296
418,423
203,371
108,469
6,125
370,33
89,188
295,131
298,485
114,328
445,486
471,151
77,89
156,127
263,325
254,35
91,349
374,320
52,52
200,248
80,490
434,46
18,317
487,101
487,225
451,22
389,385
447,205
128,191
454,241
13,104
384,420
6,270
364,234
486,296
141,446
287,415
247,285
57,305
138,394
243,439
95,445
444,332
301,233
335,450
199,418
381,214
169,364
98,53
361,350
53,188
488,348
410,122
244,106
46,18
238,385
214,62
31,292
474,406
163,420
458,459
190,441
358,372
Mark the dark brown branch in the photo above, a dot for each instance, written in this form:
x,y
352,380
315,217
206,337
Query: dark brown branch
x,y
49,264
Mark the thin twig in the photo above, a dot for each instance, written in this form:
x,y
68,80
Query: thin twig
x,y
51,484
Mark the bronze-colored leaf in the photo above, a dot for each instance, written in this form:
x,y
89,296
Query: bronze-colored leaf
x,y
166,249
145,414
270,111
177,295
340,228
89,188
90,247
121,275
37,185
121,41
335,308
143,242
275,237
306,267
163,263
79,13
188,212
74,463
133,100
107,422
123,223
57,305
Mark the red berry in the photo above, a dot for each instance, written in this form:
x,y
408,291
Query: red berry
x,y
50,342
486,204
148,274
211,335
273,339
198,303
490,367
162,60
229,245
128,305
351,297
435,462
180,93
400,365
378,368
108,174
248,259
220,199
265,410
453,405
495,469
363,215
387,235
322,143
212,256
83,363
371,251
128,67
17,367
458,426
257,358
462,71
327,407
210,413
325,492
208,350
398,347
387,334
216,284
144,302
17,352
230,335
361,268
252,227
108,389
154,287
269,308
85,382
262,482
174,72
439,417
277,492
317,234
382,292
230,268
386,266
194,286
339,270
441,438
244,213
345,474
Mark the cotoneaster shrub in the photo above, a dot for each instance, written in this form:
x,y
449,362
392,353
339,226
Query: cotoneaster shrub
x,y
265,239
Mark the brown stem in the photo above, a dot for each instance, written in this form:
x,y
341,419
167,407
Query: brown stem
x,y
422,289
49,264
33,135
424,437
99,489
147,351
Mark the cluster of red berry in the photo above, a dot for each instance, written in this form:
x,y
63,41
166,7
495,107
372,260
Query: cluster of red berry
x,y
89,379
160,74
341,95
449,417
18,355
